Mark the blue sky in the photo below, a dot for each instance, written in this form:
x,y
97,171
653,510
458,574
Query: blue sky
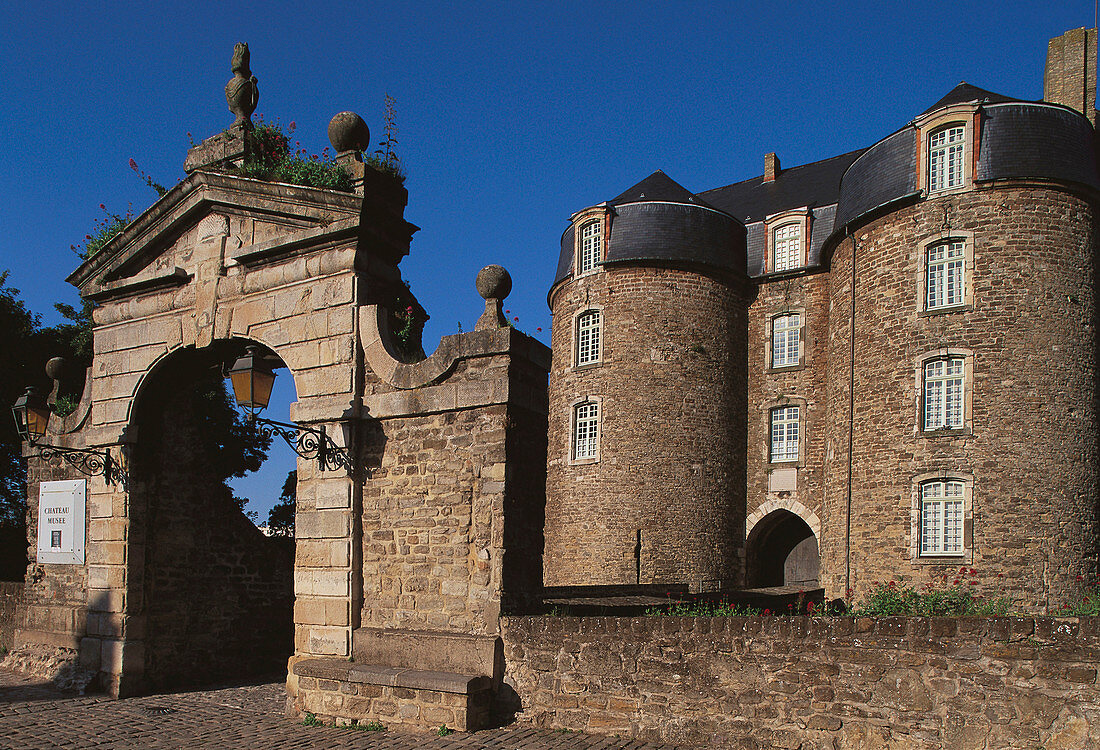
x,y
511,115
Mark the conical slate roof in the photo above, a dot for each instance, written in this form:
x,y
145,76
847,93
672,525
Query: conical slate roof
x,y
964,92
658,187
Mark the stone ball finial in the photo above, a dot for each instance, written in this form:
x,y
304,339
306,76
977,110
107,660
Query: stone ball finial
x,y
348,132
494,282
55,368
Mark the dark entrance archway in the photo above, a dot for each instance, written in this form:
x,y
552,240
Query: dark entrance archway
x,y
216,595
782,551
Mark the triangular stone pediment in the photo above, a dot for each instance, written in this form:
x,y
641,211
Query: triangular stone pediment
x,y
201,225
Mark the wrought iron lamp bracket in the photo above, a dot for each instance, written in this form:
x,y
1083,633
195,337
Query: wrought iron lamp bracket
x,y
308,442
88,462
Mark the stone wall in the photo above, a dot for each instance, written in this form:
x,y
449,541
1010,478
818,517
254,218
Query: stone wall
x,y
1028,448
799,487
664,502
11,595
838,683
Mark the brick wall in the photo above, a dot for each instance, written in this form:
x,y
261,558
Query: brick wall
x,y
672,399
806,683
1030,448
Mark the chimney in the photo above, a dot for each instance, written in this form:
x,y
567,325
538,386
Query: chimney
x,y
771,161
1070,75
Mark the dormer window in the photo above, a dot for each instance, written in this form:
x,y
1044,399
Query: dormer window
x,y
788,247
946,148
590,246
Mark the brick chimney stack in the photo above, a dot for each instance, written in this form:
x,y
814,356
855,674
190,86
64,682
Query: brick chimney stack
x,y
771,162
1070,75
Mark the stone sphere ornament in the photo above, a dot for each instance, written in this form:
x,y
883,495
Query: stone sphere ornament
x,y
55,368
494,282
348,132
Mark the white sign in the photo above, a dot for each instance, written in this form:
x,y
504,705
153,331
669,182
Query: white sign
x,y
61,522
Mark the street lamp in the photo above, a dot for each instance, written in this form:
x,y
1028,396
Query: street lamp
x,y
32,413
252,378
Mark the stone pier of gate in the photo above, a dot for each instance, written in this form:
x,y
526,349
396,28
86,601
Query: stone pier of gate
x,y
404,561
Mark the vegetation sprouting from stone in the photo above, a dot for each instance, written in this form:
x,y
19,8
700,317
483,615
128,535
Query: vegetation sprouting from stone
x,y
103,231
385,158
957,595
272,159
1087,601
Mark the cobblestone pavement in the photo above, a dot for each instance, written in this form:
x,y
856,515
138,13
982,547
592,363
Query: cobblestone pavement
x,y
34,715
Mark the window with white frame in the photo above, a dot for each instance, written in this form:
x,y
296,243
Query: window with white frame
x,y
945,276
784,434
785,339
941,518
586,430
787,247
945,158
588,337
943,394
591,238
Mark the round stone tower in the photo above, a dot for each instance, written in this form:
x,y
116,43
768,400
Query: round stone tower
x,y
646,463
963,431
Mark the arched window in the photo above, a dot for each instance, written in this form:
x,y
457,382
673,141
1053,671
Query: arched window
x,y
591,240
944,394
945,277
941,517
945,158
589,325
784,434
787,247
586,435
786,330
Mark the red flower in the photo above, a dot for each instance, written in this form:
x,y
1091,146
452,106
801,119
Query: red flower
x,y
105,208
87,236
767,611
516,318
133,165
292,125
538,329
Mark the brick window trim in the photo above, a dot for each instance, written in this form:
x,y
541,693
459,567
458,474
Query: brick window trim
x,y
602,215
943,475
803,218
966,115
922,248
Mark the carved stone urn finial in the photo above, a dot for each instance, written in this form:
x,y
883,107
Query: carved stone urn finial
x,y
241,93
493,284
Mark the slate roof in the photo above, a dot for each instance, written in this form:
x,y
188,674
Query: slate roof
x,y
964,92
657,187
814,184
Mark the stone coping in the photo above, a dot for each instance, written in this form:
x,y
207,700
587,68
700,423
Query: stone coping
x,y
342,670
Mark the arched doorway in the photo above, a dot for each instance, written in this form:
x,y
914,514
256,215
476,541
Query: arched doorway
x,y
216,595
782,550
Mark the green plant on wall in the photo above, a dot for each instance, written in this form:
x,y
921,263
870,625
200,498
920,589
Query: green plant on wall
x,y
271,159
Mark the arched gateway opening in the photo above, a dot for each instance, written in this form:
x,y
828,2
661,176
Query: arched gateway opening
x,y
782,551
216,594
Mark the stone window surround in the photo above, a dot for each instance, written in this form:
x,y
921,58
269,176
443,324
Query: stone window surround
x,y
958,114
927,244
967,356
801,216
574,327
967,556
769,354
766,410
598,401
580,219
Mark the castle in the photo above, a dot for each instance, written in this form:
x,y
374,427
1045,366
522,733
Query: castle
x,y
877,366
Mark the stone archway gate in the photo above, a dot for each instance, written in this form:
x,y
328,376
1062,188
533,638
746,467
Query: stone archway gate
x,y
438,526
